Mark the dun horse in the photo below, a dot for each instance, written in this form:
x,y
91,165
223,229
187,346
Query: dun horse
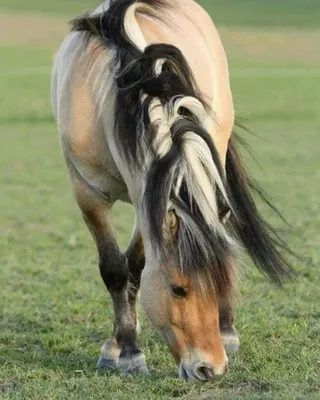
x,y
141,95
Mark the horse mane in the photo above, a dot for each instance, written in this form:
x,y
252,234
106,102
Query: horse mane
x,y
160,131
258,237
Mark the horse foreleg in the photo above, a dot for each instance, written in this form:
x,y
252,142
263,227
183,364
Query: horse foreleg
x,y
136,262
120,351
229,334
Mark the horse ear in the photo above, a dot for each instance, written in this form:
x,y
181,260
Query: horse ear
x,y
173,222
224,215
170,227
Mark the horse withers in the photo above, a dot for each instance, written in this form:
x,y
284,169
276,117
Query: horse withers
x,y
141,95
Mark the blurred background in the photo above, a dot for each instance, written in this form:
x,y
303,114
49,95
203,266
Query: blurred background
x,y
53,307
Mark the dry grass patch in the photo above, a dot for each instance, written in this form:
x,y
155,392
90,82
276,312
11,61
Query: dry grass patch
x,y
32,30
272,46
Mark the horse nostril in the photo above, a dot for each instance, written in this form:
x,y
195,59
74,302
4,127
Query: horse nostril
x,y
203,372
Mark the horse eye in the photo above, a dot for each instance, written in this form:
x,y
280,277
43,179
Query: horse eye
x,y
178,291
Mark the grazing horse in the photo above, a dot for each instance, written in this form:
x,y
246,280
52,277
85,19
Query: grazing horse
x,y
141,95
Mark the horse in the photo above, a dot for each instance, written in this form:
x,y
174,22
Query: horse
x,y
141,95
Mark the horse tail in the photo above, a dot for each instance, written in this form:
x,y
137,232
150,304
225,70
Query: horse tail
x,y
258,237
161,130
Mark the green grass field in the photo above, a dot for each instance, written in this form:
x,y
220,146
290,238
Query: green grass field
x,y
54,309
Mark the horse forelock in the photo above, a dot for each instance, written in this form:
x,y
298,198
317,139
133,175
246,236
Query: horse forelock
x,y
204,251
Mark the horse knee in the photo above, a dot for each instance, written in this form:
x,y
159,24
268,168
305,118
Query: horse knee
x,y
114,271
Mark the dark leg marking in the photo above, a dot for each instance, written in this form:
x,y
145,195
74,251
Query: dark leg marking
x,y
115,274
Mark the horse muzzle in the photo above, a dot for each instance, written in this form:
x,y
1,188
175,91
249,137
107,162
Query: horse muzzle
x,y
201,371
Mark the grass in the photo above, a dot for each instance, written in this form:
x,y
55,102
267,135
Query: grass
x,y
256,13
53,306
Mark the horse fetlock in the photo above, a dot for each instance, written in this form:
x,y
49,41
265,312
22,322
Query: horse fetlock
x,y
128,360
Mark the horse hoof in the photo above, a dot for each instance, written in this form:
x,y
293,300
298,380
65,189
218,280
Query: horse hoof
x,y
142,370
231,343
107,364
133,365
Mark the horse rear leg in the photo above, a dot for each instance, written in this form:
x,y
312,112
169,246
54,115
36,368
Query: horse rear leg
x,y
121,350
